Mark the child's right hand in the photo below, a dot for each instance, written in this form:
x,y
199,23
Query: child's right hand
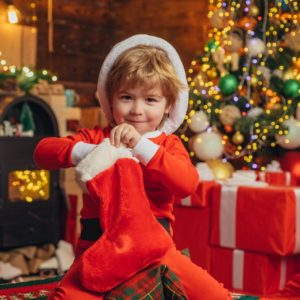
x,y
126,134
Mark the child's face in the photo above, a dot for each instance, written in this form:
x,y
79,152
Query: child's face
x,y
142,108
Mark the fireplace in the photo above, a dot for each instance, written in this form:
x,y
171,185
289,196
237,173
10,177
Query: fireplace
x,y
29,197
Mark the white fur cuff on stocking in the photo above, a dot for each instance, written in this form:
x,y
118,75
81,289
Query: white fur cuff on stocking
x,y
99,159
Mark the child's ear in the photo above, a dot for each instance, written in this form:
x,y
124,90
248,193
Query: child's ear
x,y
168,108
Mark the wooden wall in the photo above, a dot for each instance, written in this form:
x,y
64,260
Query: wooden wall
x,y
85,30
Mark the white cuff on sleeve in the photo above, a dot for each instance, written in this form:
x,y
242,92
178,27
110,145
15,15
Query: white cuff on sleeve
x,y
80,150
144,150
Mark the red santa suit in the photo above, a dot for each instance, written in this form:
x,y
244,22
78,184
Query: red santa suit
x,y
167,173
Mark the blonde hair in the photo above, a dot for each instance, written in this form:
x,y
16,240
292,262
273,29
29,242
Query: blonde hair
x,y
148,66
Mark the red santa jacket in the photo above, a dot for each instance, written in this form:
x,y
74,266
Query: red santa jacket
x,y
168,174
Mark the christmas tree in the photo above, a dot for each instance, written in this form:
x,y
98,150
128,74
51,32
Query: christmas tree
x,y
245,85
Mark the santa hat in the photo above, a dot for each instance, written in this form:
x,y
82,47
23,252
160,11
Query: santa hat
x,y
178,111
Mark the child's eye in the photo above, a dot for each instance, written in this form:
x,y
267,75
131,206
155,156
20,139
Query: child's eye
x,y
151,100
125,97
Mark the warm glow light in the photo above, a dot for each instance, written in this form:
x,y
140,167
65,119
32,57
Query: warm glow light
x,y
29,185
12,14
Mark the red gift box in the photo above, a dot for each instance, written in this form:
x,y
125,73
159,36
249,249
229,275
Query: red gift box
x,y
263,219
277,178
201,197
252,272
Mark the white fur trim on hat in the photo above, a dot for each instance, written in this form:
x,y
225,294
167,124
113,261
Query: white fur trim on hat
x,y
178,111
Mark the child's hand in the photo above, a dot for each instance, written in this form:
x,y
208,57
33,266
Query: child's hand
x,y
126,134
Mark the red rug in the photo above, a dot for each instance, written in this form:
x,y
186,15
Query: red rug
x,y
37,289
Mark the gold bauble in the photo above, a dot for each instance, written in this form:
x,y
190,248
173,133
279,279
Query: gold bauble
x,y
234,42
213,162
289,74
253,11
238,138
292,40
230,113
218,18
221,170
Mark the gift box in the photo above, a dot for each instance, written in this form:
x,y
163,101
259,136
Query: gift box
x,y
262,219
277,178
252,272
201,197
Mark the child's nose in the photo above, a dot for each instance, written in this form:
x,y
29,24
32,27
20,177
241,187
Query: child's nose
x,y
137,108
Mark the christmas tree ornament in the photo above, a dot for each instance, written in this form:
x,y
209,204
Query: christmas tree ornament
x,y
212,73
256,46
253,10
218,57
292,139
291,88
292,40
198,121
218,18
208,145
211,46
235,60
234,42
289,74
247,23
266,72
238,138
229,115
228,128
222,170
228,84
278,73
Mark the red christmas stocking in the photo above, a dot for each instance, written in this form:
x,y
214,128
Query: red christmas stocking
x,y
132,238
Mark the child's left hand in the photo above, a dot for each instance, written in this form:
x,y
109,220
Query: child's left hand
x,y
126,134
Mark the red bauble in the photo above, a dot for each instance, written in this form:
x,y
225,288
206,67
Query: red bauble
x,y
290,161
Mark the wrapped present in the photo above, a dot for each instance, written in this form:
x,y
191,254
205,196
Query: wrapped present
x,y
263,219
201,197
277,178
252,272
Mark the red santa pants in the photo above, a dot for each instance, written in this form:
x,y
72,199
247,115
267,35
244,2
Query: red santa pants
x,y
199,285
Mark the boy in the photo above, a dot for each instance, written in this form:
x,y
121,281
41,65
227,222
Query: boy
x,y
142,90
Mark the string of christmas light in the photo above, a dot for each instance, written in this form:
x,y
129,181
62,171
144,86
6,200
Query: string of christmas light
x,y
33,8
28,185
245,86
24,77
